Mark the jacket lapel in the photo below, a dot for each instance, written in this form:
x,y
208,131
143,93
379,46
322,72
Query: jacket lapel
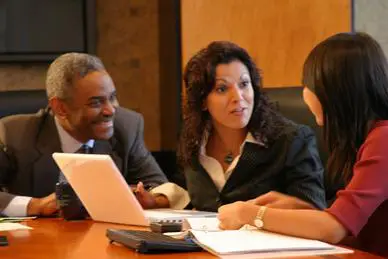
x,y
45,170
108,148
251,157
199,169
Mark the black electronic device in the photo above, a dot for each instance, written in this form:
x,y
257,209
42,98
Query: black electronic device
x,y
150,242
3,241
70,206
163,227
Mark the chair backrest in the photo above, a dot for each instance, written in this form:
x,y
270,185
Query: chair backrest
x,y
167,160
21,102
289,101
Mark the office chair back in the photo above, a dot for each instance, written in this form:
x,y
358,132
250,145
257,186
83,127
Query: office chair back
x,y
289,101
21,102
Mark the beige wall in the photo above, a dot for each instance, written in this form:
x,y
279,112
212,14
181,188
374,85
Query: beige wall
x,y
277,33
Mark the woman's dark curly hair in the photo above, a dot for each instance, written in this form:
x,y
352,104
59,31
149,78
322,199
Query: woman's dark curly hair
x,y
199,79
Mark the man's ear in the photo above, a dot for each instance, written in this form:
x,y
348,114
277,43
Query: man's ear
x,y
59,107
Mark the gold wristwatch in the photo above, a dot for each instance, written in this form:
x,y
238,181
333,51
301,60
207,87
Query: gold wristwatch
x,y
258,222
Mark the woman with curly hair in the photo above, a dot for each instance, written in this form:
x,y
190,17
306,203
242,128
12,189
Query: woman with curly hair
x,y
234,145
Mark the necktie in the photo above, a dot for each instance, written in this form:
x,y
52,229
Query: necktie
x,y
84,149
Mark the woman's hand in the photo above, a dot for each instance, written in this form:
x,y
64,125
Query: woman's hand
x,y
237,214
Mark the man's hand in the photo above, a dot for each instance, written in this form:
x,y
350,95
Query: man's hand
x,y
45,206
280,201
237,214
149,200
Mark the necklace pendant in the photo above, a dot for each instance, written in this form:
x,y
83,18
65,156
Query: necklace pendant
x,y
228,158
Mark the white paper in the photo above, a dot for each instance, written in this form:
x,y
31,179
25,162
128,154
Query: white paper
x,y
208,224
13,219
249,241
6,226
288,254
204,224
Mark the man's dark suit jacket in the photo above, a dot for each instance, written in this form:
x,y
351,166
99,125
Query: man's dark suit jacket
x,y
28,142
290,165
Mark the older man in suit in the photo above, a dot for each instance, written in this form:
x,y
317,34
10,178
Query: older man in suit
x,y
82,112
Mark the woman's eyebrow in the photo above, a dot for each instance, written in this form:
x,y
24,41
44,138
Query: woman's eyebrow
x,y
221,79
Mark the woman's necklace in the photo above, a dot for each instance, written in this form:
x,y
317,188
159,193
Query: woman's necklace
x,y
228,159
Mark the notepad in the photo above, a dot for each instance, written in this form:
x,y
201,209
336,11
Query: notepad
x,y
204,224
207,224
248,240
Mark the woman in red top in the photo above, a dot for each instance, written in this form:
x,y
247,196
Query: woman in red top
x,y
347,90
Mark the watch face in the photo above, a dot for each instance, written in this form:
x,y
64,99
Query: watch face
x,y
258,223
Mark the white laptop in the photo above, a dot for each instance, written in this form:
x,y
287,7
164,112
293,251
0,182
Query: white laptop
x,y
107,196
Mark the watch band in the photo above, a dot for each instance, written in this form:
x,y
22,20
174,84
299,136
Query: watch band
x,y
260,214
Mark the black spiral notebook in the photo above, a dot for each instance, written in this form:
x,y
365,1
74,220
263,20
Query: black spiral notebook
x,y
150,242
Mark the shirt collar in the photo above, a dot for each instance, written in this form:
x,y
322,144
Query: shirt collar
x,y
249,138
68,143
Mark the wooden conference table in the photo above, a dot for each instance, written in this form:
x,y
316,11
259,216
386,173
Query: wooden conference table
x,y
57,239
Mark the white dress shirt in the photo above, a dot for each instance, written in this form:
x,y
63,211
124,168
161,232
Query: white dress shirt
x,y
177,196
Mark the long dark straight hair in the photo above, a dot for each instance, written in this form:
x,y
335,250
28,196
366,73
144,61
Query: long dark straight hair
x,y
348,73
